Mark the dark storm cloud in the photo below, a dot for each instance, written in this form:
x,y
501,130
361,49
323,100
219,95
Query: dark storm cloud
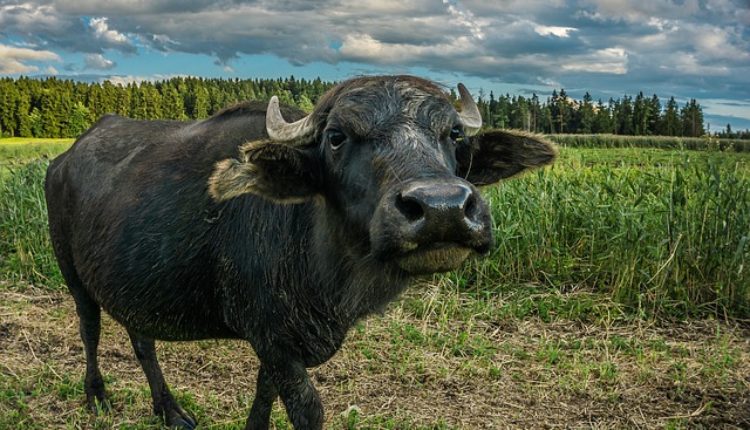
x,y
689,47
44,25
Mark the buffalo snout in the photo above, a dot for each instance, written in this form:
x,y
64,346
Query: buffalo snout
x,y
432,225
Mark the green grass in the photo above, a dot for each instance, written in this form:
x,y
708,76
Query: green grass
x,y
662,232
671,239
572,319
33,140
25,248
448,368
658,142
17,150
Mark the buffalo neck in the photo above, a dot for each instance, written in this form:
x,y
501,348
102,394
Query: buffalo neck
x,y
304,259
353,282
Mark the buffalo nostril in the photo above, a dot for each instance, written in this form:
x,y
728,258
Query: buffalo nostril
x,y
409,207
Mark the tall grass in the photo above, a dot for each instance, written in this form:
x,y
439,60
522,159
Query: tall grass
x,y
25,247
21,150
660,142
668,240
662,232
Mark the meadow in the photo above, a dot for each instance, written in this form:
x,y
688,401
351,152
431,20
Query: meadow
x,y
617,295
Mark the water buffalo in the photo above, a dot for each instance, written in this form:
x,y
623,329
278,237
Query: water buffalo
x,y
282,233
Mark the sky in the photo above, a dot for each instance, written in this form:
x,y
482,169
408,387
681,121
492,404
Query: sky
x,y
682,48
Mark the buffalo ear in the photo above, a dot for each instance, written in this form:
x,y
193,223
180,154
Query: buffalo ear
x,y
498,154
269,169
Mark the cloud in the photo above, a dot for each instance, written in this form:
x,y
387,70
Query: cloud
x,y
97,61
14,60
610,60
684,46
638,11
465,18
45,25
111,37
547,30
363,47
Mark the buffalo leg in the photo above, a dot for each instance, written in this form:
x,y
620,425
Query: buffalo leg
x,y
301,399
164,404
89,315
265,395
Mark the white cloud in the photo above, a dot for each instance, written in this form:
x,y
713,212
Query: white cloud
x,y
45,25
727,107
609,60
562,32
716,43
363,47
619,45
465,17
102,31
28,16
13,60
687,63
639,11
97,61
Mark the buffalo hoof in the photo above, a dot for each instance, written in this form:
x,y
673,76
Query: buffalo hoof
x,y
176,417
97,402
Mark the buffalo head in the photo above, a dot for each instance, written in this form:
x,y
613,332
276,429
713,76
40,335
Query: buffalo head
x,y
391,161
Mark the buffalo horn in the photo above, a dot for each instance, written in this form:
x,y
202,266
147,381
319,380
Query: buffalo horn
x,y
281,131
470,116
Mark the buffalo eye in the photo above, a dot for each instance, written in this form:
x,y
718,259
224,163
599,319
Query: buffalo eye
x,y
457,134
335,138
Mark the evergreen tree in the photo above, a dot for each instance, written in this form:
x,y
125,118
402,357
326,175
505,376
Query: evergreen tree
x,y
548,123
553,105
54,108
654,116
623,112
151,101
138,108
172,105
122,102
640,115
305,104
35,123
202,103
491,110
670,120
22,114
587,115
49,113
602,119
78,121
520,113
692,119
728,132
8,103
535,110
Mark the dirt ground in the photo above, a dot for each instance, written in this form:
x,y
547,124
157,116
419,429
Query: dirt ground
x,y
397,371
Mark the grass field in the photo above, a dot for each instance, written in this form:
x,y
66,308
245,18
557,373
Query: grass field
x,y
660,142
617,297
17,150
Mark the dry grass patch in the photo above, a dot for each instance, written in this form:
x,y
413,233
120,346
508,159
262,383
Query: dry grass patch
x,y
402,370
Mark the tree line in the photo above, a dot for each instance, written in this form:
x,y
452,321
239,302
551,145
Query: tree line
x,y
64,108
637,116
54,107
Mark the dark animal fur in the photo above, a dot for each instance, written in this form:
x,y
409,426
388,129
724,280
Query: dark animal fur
x,y
137,232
